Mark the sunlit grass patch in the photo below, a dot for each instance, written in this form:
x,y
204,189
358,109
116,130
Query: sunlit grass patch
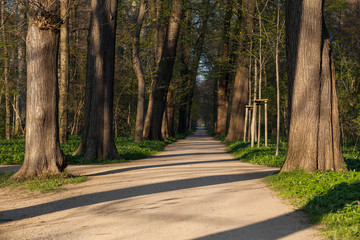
x,y
329,198
43,184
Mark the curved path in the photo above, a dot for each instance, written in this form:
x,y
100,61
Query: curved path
x,y
193,190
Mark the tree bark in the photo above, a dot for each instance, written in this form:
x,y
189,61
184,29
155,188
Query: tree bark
x,y
64,70
314,132
42,149
241,84
164,73
253,119
277,79
6,75
184,82
20,97
223,83
139,126
159,32
168,124
98,137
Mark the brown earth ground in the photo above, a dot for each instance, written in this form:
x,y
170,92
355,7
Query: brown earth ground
x,y
192,190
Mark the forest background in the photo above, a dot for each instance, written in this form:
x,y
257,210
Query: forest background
x,y
342,18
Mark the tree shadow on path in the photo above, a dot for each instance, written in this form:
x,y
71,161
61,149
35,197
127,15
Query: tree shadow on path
x,y
274,228
120,170
120,194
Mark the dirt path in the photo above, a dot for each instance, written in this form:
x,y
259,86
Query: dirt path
x,y
193,190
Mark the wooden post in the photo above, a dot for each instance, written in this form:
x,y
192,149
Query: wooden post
x,y
261,102
259,127
245,126
266,125
249,132
253,125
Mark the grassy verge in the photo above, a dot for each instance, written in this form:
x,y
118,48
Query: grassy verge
x,y
329,198
12,152
46,184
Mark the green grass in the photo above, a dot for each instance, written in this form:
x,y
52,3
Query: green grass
x,y
328,198
44,184
259,156
12,152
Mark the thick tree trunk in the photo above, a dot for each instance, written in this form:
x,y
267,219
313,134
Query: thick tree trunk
x,y
42,149
64,70
168,128
241,84
98,137
164,73
140,110
183,83
159,31
314,133
223,83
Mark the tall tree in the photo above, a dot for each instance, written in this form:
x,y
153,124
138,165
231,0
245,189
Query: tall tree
x,y
314,133
158,13
184,58
64,70
240,93
139,128
20,97
164,72
98,137
277,78
42,149
225,75
6,73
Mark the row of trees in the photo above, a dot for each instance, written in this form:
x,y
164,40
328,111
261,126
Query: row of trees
x,y
178,62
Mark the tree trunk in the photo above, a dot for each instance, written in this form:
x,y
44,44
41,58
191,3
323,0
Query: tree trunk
x,y
223,83
98,137
314,133
6,75
253,119
184,81
168,128
260,78
64,70
139,126
20,97
159,31
241,84
164,73
42,149
277,79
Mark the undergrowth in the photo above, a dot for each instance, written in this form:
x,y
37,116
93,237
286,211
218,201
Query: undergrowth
x,y
43,184
12,151
329,198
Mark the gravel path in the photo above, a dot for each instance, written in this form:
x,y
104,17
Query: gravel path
x,y
193,190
